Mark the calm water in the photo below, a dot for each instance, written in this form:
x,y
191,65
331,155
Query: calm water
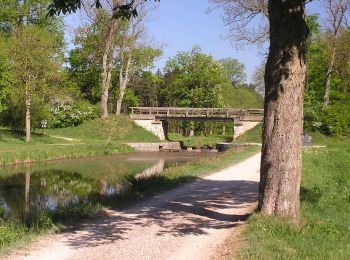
x,y
49,186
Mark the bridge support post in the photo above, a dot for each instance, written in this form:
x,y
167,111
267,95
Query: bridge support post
x,y
240,129
157,127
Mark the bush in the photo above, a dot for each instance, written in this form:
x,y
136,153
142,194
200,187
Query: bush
x,y
66,113
335,120
14,115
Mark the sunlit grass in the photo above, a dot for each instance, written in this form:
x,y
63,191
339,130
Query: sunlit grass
x,y
324,230
96,137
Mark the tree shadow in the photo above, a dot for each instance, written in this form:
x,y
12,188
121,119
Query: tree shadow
x,y
193,209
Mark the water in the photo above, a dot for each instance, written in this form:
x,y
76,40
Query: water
x,y
60,184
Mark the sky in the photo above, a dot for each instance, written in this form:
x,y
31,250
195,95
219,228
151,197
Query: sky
x,y
181,24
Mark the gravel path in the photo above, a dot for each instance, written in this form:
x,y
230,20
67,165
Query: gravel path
x,y
189,222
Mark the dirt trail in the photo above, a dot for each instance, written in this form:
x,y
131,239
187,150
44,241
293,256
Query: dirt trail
x,y
189,222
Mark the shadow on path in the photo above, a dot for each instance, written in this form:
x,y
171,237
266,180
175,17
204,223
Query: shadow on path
x,y
192,209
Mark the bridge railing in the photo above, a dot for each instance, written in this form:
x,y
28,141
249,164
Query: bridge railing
x,y
195,112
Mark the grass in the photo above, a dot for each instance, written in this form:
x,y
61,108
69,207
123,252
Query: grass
x,y
324,232
17,233
241,97
253,135
200,141
91,138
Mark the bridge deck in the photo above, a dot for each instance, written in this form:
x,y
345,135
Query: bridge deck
x,y
197,114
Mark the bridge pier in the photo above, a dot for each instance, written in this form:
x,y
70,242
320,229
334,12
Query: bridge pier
x,y
240,129
157,127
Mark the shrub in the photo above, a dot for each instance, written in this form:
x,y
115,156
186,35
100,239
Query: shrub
x,y
66,113
335,120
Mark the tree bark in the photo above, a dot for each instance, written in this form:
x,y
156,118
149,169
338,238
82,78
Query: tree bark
x,y
123,81
28,103
107,65
283,119
328,77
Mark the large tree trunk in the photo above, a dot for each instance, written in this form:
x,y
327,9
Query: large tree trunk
x,y
28,102
283,120
329,76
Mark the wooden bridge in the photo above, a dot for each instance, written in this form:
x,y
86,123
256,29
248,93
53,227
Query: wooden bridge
x,y
197,114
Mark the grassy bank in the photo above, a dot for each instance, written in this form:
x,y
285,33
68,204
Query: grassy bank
x,y
324,232
91,138
252,136
15,233
200,141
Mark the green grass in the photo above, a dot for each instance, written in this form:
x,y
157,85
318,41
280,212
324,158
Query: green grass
x,y
115,129
91,138
254,135
200,141
324,232
241,97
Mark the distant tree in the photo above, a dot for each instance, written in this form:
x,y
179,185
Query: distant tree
x,y
258,79
146,87
337,10
6,74
193,79
247,20
234,70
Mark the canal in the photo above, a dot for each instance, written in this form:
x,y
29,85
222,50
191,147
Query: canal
x,y
58,185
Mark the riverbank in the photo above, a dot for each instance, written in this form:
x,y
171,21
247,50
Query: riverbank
x,y
97,137
323,232
184,223
13,233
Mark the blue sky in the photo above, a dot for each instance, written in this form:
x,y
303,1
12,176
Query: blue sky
x,y
181,24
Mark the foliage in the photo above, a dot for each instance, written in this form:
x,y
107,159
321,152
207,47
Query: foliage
x,y
130,100
193,79
14,116
334,120
66,113
85,72
234,70
6,76
258,79
146,87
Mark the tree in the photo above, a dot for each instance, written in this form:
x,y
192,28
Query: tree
x,y
146,86
337,11
133,55
234,70
258,79
285,73
193,79
6,75
33,56
247,20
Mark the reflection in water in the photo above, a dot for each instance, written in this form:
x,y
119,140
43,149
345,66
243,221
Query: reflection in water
x,y
157,168
52,186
